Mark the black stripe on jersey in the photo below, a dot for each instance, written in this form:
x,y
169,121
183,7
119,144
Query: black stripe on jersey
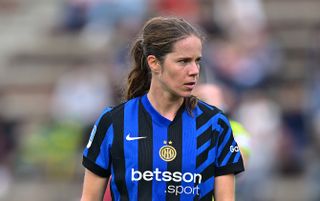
x,y
102,128
215,135
208,135
206,115
119,165
204,137
196,198
175,136
207,197
201,158
207,173
233,168
94,168
225,151
145,152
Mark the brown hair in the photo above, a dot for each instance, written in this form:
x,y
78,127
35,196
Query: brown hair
x,y
157,38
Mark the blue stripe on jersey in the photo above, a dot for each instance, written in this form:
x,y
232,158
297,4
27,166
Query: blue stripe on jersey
x,y
209,161
204,128
207,186
104,156
236,158
189,143
113,186
197,111
206,104
156,116
160,133
131,147
203,147
224,142
227,157
159,187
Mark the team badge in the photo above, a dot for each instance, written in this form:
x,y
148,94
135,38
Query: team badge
x,y
167,152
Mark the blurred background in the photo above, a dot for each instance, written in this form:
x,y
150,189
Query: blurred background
x,y
62,61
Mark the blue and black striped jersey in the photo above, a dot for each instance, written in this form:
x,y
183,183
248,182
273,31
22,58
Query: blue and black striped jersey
x,y
153,158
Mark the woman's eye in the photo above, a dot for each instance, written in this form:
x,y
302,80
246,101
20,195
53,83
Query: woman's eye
x,y
183,61
198,61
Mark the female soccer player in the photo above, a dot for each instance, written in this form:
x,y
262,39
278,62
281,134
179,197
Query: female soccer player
x,y
162,143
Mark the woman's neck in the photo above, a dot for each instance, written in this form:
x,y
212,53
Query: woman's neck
x,y
165,103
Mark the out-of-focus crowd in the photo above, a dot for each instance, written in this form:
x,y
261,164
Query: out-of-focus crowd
x,y
246,69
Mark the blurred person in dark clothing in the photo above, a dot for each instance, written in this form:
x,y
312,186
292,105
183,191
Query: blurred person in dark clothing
x,y
312,105
7,148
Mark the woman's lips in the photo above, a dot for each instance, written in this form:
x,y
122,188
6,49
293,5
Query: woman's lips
x,y
190,85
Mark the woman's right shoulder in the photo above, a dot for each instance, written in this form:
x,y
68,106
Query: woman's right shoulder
x,y
110,110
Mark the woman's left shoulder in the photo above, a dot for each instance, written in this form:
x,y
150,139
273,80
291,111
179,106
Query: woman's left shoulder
x,y
209,109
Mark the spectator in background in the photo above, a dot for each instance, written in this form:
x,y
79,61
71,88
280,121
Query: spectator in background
x,y
8,5
188,9
97,20
7,148
74,16
77,98
107,13
104,16
80,94
312,105
262,118
244,56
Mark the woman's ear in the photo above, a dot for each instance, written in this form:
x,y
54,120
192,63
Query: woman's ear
x,y
154,64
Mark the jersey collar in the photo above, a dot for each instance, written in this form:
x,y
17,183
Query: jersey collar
x,y
156,116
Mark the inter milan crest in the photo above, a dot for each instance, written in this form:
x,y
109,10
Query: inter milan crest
x,y
167,152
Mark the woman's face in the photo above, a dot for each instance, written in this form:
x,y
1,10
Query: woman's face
x,y
180,68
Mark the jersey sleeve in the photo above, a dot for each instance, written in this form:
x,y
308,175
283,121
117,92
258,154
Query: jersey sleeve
x,y
228,155
96,155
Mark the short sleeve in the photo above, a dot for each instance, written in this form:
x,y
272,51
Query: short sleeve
x,y
228,155
96,154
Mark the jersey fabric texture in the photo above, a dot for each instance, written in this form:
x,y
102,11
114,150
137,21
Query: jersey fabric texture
x,y
153,158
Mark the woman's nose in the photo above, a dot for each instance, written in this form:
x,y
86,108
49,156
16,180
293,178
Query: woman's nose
x,y
194,69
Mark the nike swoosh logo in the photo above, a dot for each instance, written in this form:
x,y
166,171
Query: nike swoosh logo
x,y
129,138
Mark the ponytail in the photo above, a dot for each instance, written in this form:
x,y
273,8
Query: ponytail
x,y
139,78
190,103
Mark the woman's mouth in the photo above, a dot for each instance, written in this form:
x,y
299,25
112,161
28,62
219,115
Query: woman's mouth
x,y
190,85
